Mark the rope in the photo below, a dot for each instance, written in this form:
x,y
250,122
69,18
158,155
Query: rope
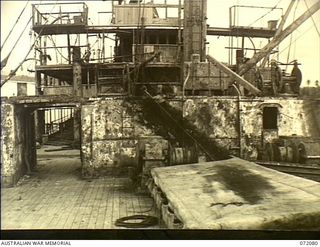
x,y
14,24
146,221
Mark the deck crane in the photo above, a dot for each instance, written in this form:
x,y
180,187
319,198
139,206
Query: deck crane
x,y
278,38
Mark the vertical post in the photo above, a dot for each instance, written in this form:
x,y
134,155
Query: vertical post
x,y
179,21
39,84
45,121
230,17
77,75
103,48
60,14
143,57
76,126
40,125
44,57
50,122
242,44
234,16
54,115
32,140
134,45
231,51
69,49
166,8
77,82
142,38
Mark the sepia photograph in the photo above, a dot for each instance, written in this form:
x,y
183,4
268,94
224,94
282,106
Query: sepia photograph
x,y
160,119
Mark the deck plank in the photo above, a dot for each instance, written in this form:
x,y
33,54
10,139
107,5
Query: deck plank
x,y
55,197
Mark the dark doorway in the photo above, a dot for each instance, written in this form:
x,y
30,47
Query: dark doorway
x,y
270,118
58,140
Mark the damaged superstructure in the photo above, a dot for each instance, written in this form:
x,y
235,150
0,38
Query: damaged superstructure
x,y
160,100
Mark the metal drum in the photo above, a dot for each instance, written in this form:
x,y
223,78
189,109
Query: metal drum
x,y
183,155
282,151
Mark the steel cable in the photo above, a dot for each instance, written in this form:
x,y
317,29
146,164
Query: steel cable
x,y
15,24
13,72
4,62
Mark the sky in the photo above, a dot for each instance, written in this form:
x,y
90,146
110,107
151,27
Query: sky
x,y
305,46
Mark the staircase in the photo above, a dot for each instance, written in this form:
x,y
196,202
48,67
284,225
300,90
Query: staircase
x,y
64,135
59,126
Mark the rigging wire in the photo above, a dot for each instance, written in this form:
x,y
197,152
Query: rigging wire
x,y
4,62
314,23
15,24
284,49
57,50
273,8
291,36
13,72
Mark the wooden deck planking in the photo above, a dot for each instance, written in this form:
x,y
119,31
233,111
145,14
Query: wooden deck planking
x,y
56,197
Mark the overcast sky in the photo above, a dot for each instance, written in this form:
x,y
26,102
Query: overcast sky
x,y
306,47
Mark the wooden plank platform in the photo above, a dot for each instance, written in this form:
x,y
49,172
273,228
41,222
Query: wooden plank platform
x,y
236,194
55,197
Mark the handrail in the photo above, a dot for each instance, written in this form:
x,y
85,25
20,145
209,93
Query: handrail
x,y
41,15
56,125
62,3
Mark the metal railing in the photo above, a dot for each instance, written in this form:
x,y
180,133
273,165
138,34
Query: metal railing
x,y
252,15
56,119
62,13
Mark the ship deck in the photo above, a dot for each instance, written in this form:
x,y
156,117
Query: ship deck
x,y
235,194
55,197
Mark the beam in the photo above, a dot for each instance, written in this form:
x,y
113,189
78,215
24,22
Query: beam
x,y
280,28
277,40
247,85
284,18
241,32
150,6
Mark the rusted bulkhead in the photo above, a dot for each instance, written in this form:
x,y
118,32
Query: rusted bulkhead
x,y
18,153
112,129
